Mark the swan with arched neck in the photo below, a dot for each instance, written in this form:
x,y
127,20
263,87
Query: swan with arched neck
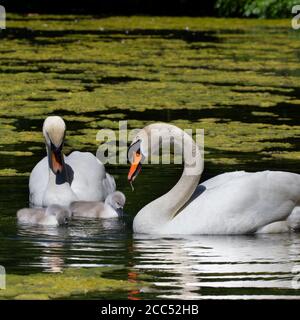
x,y
231,203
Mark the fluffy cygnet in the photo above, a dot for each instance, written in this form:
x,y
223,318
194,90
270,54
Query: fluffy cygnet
x,y
111,208
53,215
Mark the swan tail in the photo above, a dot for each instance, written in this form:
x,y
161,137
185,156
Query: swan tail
x,y
109,184
294,219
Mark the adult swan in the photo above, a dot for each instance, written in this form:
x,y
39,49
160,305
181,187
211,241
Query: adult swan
x,y
231,203
59,179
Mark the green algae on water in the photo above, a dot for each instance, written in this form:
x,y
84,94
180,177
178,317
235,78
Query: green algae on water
x,y
242,74
71,282
9,172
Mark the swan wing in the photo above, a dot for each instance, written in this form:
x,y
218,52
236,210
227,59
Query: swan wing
x,y
86,174
222,178
214,182
241,205
109,184
38,182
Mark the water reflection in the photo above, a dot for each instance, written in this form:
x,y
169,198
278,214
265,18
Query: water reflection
x,y
85,243
189,267
196,267
185,267
49,242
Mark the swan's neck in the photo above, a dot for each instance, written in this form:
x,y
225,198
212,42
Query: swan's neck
x,y
58,190
59,178
162,210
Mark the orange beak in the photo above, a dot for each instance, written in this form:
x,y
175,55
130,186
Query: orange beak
x,y
56,159
135,166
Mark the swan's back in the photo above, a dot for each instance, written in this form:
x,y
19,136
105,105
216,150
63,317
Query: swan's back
x,y
93,209
35,216
220,179
242,204
87,209
88,176
86,173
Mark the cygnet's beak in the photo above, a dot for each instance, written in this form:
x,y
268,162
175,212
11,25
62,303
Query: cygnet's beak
x,y
120,211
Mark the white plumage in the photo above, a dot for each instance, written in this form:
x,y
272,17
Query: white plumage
x,y
231,203
240,203
54,215
112,207
59,179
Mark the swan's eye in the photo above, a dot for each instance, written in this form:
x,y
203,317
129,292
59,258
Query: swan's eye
x,y
133,149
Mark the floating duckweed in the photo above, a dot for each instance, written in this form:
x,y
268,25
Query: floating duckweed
x,y
231,77
17,153
12,172
72,281
286,155
264,114
224,161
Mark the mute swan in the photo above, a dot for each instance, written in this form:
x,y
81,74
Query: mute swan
x,y
52,215
111,208
59,179
231,203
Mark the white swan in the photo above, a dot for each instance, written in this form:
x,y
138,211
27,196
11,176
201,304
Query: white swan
x,y
53,215
111,208
231,203
59,179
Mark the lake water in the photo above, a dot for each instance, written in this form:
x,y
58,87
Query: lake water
x,y
185,267
237,79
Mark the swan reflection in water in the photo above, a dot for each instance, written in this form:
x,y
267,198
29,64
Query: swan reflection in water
x,y
185,267
196,267
49,241
85,243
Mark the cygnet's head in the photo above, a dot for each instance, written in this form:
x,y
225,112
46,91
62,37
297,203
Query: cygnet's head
x,y
116,200
54,129
63,214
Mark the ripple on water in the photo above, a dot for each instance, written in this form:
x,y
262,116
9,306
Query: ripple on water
x,y
201,267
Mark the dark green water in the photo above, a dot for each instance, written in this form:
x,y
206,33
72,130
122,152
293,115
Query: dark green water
x,y
195,267
237,79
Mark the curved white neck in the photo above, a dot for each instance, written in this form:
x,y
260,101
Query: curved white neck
x,y
58,190
163,209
